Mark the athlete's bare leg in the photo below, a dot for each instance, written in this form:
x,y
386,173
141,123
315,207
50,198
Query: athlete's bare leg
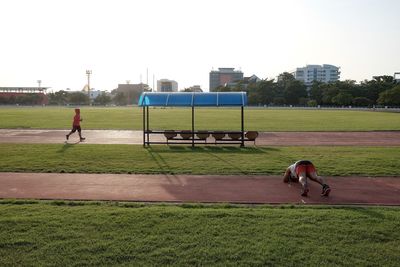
x,y
304,183
313,176
325,188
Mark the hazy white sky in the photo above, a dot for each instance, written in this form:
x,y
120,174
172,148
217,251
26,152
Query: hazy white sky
x,y
56,41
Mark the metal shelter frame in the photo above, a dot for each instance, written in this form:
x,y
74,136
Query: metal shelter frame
x,y
191,99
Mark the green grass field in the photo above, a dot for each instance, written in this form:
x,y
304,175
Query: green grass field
x,y
59,233
84,158
107,234
206,119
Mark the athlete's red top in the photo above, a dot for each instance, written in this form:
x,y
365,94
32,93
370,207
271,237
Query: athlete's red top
x,y
77,118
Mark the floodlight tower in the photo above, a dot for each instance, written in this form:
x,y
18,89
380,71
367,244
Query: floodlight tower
x,y
88,73
39,83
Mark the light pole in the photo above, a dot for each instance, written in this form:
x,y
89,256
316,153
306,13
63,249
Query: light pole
x,y
88,73
39,83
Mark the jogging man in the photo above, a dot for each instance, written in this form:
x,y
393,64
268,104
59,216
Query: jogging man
x,y
76,125
300,171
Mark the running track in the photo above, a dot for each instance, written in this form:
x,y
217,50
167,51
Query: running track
x,y
196,188
374,138
192,188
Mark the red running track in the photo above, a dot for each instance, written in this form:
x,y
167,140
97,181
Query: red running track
x,y
196,188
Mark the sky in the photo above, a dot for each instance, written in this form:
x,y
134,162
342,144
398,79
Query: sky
x,y
183,40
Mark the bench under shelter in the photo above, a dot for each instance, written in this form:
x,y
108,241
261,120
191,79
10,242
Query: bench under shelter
x,y
193,100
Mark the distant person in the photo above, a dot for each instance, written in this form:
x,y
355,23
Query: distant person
x,y
300,171
76,125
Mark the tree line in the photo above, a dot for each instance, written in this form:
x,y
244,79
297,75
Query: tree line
x,y
62,98
80,98
286,90
381,90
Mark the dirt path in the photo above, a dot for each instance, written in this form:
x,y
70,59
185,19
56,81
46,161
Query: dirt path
x,y
196,188
378,138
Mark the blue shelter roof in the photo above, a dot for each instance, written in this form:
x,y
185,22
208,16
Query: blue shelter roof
x,y
188,99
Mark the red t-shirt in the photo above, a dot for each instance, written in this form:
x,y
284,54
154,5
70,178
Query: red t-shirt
x,y
77,120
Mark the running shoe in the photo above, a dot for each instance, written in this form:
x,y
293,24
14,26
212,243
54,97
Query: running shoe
x,y
325,190
304,192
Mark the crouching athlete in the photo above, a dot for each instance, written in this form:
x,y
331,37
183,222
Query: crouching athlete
x,y
300,171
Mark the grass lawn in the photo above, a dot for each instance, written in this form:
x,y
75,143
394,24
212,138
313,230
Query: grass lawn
x,y
106,234
206,119
86,158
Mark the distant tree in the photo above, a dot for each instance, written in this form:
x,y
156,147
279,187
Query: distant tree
x,y
342,99
384,79
312,103
279,101
377,85
329,92
390,97
120,99
303,101
78,98
293,91
316,92
58,98
261,93
284,79
222,89
362,102
102,99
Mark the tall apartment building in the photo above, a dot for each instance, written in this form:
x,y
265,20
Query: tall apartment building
x,y
165,85
224,76
310,73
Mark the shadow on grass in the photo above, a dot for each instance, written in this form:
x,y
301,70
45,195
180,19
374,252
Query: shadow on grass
x,y
213,149
66,146
161,163
233,166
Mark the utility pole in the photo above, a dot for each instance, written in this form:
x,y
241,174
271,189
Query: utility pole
x,y
88,73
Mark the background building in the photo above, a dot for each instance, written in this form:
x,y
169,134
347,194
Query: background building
x,y
244,83
24,95
94,93
396,77
224,76
194,88
310,73
165,85
131,92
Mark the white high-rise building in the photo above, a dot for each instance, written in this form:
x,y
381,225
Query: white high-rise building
x,y
310,73
165,85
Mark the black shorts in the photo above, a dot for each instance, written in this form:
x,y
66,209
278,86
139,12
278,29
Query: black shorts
x,y
76,128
